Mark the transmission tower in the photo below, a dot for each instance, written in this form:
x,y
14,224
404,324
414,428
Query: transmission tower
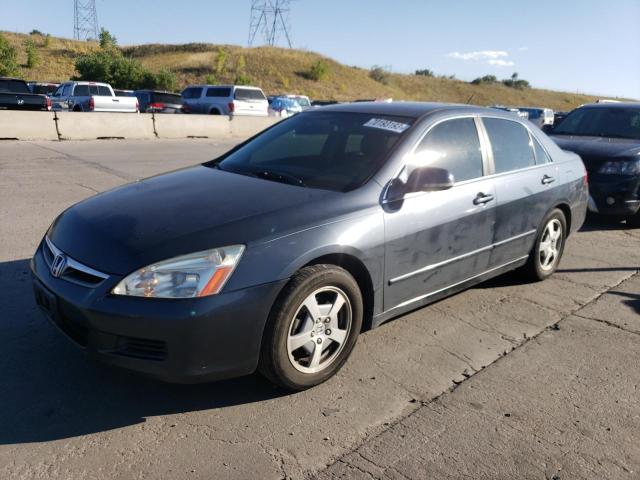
x,y
85,20
271,17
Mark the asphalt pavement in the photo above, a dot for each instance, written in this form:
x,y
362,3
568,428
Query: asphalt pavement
x,y
506,380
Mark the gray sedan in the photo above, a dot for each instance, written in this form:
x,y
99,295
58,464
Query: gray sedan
x,y
276,255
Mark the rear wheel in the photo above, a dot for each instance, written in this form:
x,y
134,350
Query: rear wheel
x,y
312,328
549,246
214,112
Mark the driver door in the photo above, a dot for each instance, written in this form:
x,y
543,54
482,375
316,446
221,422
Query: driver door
x,y
435,240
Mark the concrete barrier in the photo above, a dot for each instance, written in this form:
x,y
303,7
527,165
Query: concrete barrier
x,y
245,127
92,125
185,126
27,125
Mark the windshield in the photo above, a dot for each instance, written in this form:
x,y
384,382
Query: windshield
x,y
602,122
303,101
329,150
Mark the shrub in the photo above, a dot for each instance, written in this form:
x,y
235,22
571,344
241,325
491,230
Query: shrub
x,y
166,80
486,80
242,79
425,73
8,58
210,79
318,71
35,32
379,74
221,62
46,41
515,82
33,57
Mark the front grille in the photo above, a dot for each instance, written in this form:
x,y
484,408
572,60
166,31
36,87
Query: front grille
x,y
142,348
74,271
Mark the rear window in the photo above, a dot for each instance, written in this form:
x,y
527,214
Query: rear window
x,y
167,98
44,89
511,144
13,86
249,94
104,91
192,92
218,92
81,91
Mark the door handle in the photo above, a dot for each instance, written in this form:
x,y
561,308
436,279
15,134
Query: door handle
x,y
546,180
482,198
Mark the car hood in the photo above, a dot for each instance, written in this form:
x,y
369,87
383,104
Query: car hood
x,y
182,212
598,146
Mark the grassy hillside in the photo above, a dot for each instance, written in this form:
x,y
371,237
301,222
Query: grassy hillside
x,y
279,70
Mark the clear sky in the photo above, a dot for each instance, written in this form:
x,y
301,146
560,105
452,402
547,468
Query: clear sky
x,y
590,46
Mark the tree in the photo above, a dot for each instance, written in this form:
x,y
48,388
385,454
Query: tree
x,y
379,74
486,80
515,82
165,80
425,73
33,57
8,58
107,41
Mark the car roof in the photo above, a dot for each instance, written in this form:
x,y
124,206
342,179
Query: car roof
x,y
406,109
222,86
612,105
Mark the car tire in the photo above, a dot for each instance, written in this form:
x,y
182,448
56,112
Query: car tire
x,y
547,250
312,328
214,112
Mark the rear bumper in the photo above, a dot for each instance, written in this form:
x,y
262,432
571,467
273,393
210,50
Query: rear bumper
x,y
181,341
614,194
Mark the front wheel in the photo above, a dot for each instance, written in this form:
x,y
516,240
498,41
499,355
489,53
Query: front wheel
x,y
633,221
312,328
549,246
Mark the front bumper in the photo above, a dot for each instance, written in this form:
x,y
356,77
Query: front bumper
x,y
614,194
183,340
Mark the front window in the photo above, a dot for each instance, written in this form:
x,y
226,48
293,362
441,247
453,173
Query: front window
x,y
602,122
328,150
192,93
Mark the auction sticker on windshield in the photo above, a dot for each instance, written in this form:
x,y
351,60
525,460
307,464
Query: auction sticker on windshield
x,y
389,125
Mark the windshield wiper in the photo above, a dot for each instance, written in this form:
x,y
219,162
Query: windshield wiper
x,y
281,177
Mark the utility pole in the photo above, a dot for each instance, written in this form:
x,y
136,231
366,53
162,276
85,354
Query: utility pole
x,y
85,20
271,17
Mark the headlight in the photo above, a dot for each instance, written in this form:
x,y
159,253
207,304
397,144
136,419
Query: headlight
x,y
194,275
622,167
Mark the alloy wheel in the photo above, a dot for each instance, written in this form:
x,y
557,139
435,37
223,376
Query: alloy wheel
x,y
550,244
319,329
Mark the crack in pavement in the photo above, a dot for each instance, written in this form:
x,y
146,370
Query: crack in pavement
x,y
95,165
344,458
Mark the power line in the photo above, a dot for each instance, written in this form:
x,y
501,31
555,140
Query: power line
x,y
85,20
271,18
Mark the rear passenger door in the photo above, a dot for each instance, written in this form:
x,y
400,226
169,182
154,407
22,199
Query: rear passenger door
x,y
435,240
525,181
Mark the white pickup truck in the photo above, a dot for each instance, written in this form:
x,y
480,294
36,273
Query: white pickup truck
x,y
91,97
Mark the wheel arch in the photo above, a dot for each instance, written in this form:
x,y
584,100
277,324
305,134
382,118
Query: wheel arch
x,y
359,272
566,210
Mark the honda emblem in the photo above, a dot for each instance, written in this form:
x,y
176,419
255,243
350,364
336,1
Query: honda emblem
x,y
58,265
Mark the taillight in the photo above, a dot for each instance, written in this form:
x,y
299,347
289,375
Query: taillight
x,y
159,106
48,103
92,104
586,177
232,107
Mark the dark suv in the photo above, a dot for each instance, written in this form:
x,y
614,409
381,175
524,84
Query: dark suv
x,y
607,137
156,101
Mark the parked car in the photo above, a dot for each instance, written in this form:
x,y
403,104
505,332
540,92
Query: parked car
x,y
123,93
157,101
607,138
539,116
276,254
43,88
302,100
323,103
283,107
224,100
512,110
91,97
558,117
15,95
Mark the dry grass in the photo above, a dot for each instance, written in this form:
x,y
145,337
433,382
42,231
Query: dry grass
x,y
279,70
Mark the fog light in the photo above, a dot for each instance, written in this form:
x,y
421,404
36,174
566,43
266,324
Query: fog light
x,y
610,200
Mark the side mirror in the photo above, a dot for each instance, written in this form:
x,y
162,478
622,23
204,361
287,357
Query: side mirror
x,y
429,179
547,129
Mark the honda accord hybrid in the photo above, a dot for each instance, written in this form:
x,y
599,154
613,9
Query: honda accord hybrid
x,y
276,255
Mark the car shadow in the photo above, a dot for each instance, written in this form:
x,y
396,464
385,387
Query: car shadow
x,y
632,299
51,390
595,222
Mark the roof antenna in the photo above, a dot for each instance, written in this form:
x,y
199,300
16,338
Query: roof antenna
x,y
470,98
